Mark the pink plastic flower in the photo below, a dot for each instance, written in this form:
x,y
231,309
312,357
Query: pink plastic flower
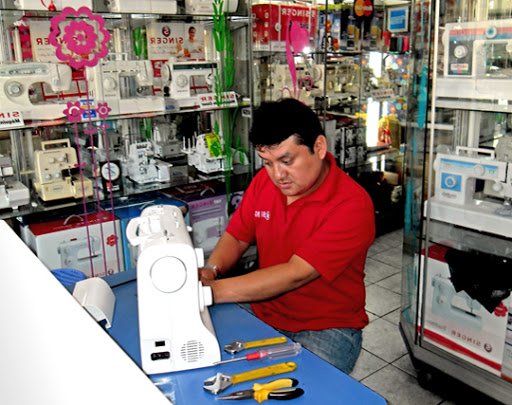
x,y
79,36
74,111
103,110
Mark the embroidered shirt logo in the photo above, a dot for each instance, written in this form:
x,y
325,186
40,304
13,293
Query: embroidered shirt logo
x,y
262,214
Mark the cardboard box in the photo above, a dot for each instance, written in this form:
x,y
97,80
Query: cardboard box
x,y
457,323
128,208
67,243
271,22
207,212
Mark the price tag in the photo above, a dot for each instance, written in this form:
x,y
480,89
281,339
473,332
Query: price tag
x,y
11,119
207,100
382,95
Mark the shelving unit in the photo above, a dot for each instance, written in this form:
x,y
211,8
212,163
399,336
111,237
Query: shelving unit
x,y
456,285
347,71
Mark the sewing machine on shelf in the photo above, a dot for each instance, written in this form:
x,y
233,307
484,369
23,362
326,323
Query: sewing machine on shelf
x,y
459,201
309,82
56,4
146,6
176,331
120,83
55,172
16,80
477,60
199,156
187,81
13,193
141,166
165,143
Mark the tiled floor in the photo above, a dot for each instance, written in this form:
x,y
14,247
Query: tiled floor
x,y
384,364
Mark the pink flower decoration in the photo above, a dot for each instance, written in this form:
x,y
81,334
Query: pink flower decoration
x,y
79,36
103,110
74,111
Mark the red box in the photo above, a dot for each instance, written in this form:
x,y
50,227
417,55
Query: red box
x,y
271,20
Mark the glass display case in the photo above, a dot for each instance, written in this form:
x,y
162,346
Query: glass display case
x,y
456,278
349,61
107,105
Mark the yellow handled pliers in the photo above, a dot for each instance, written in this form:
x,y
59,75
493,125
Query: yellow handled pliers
x,y
272,390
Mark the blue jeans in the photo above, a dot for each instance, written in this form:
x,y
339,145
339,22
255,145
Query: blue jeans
x,y
337,346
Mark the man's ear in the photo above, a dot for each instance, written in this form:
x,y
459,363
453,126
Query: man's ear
x,y
320,146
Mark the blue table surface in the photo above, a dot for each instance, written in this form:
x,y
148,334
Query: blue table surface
x,y
322,383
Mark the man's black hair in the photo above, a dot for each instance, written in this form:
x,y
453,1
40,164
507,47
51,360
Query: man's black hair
x,y
276,121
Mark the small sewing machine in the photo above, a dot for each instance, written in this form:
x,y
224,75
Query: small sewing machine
x,y
309,82
456,173
143,168
477,60
146,6
53,166
165,143
456,200
456,306
205,7
120,83
176,331
75,253
189,80
16,80
13,193
58,4
199,156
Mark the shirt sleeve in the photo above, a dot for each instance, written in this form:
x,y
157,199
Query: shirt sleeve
x,y
342,238
241,225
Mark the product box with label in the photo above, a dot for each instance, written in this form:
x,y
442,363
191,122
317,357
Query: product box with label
x,y
207,211
271,21
95,249
208,219
458,323
131,207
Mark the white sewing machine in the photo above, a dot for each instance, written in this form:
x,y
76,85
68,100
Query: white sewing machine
x,y
308,85
455,201
16,80
189,80
206,6
113,81
145,6
13,193
199,156
477,60
143,168
53,177
176,331
45,5
165,143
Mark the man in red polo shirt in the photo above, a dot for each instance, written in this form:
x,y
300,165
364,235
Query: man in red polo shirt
x,y
312,225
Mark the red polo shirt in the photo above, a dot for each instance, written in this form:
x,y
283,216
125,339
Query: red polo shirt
x,y
331,229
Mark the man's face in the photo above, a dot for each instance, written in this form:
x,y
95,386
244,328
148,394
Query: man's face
x,y
293,168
